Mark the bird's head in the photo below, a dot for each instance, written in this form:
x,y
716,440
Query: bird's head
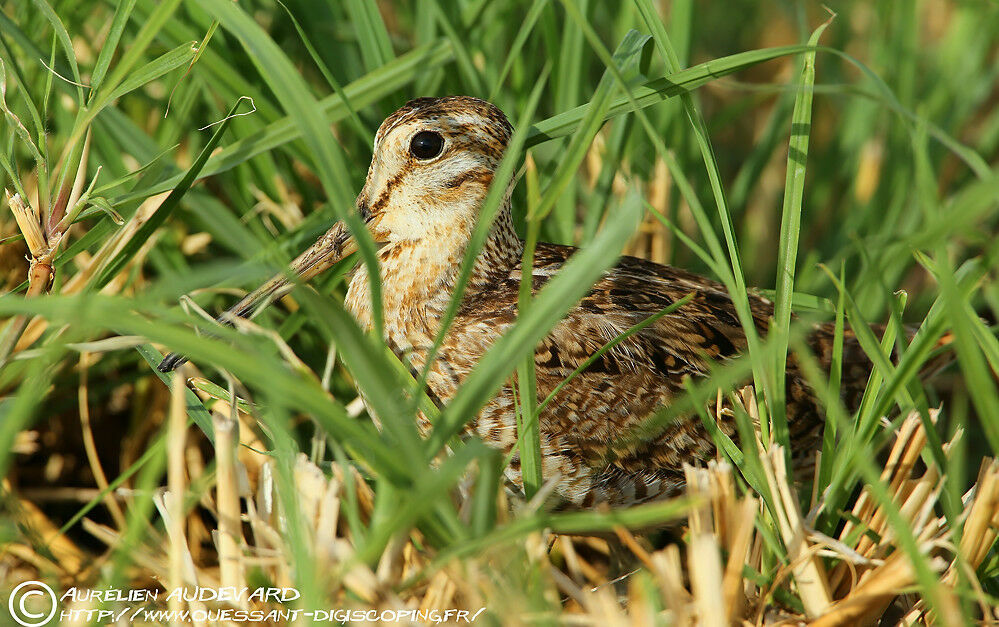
x,y
432,164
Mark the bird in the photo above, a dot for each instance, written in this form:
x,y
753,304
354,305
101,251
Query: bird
x,y
432,165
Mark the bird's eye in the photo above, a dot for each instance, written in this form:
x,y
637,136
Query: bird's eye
x,y
426,145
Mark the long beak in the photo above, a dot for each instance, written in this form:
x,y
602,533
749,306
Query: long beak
x,y
333,246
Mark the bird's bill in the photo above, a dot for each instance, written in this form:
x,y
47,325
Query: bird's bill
x,y
336,244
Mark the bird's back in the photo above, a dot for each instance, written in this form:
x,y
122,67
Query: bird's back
x,y
594,431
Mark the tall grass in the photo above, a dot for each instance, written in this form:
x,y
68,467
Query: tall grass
x,y
847,168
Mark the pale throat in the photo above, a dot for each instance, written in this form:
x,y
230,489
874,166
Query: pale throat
x,y
418,277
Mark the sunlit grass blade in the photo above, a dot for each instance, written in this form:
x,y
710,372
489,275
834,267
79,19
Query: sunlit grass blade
x,y
641,516
981,383
195,408
860,457
734,277
829,438
426,496
599,203
367,365
528,420
461,53
123,68
11,63
179,56
487,487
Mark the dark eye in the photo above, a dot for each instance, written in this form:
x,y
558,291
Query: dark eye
x,y
426,145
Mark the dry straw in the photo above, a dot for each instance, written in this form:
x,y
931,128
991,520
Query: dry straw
x,y
854,578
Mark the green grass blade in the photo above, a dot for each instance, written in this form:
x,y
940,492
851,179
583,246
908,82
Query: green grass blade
x,y
626,55
121,15
373,375
195,408
372,36
15,69
829,437
528,419
734,277
537,6
981,382
659,90
64,40
790,229
254,367
179,56
313,127
359,126
123,69
461,53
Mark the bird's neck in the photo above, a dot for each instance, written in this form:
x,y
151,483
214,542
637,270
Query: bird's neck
x,y
501,254
418,278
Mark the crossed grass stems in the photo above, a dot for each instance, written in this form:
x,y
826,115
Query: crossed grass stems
x,y
396,457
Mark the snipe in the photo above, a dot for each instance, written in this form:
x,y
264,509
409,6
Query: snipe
x,y
432,166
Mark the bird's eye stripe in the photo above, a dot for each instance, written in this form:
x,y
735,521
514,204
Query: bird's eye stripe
x,y
483,176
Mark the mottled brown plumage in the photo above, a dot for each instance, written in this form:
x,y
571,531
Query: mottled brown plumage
x,y
421,210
